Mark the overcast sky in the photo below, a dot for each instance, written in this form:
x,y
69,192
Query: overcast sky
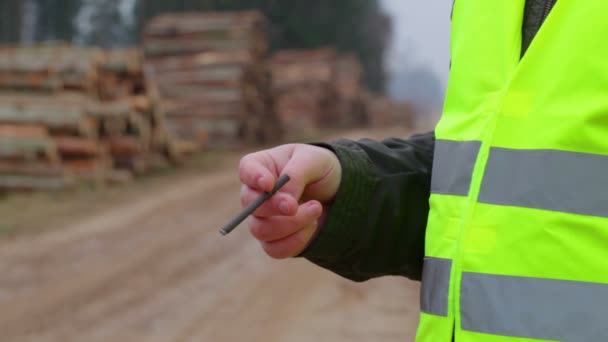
x,y
421,34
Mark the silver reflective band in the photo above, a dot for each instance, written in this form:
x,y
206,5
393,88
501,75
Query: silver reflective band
x,y
453,166
548,309
435,286
547,179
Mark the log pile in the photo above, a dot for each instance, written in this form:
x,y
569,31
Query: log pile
x,y
349,86
29,158
64,123
304,88
49,69
120,74
129,95
213,78
383,111
74,114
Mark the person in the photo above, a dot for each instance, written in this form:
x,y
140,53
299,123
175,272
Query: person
x,y
501,212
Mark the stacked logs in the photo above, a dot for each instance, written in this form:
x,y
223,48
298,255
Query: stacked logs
x,y
349,81
127,95
70,113
71,127
120,74
49,69
71,132
305,91
29,158
213,79
383,111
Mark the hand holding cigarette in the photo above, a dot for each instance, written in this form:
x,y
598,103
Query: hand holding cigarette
x,y
285,223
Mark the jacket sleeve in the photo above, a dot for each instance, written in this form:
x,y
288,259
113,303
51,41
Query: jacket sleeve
x,y
377,222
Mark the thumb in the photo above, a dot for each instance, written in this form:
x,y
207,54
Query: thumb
x,y
312,168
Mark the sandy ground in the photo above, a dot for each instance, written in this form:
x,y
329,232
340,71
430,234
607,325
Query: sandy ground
x,y
155,269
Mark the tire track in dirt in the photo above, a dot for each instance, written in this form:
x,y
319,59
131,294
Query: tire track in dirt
x,y
113,232
58,296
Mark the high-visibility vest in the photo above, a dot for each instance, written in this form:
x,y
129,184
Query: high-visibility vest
x,y
517,237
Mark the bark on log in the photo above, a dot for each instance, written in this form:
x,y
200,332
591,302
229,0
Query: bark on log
x,y
124,146
70,147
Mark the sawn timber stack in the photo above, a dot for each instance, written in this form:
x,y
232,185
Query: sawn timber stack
x,y
69,113
213,77
304,88
384,112
349,86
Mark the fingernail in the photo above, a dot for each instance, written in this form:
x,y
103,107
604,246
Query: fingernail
x,y
313,208
284,207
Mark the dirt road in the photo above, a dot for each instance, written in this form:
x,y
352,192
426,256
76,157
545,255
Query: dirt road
x,y
156,269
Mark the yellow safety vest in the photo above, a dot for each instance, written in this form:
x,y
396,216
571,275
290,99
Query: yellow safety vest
x,y
517,239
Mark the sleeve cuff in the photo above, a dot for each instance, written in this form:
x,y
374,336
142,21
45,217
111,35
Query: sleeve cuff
x,y
347,214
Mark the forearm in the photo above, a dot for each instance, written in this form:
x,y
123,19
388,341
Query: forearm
x,y
376,225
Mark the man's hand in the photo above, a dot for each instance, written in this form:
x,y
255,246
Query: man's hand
x,y
286,223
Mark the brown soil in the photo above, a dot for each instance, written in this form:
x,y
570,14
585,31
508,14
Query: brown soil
x,y
148,264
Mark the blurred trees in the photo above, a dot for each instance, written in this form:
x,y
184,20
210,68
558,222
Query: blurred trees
x,y
55,19
51,20
357,26
11,20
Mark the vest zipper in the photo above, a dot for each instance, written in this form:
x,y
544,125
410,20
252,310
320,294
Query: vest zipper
x,y
548,6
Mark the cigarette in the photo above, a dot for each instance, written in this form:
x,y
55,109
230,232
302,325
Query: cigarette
x,y
253,206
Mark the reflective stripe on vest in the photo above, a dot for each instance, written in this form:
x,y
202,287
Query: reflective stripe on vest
x,y
436,277
521,178
517,236
546,309
545,179
453,166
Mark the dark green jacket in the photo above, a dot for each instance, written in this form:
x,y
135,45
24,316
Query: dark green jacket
x,y
376,225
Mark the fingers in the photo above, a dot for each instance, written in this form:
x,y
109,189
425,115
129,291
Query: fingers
x,y
290,246
283,237
257,171
281,204
269,229
314,172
